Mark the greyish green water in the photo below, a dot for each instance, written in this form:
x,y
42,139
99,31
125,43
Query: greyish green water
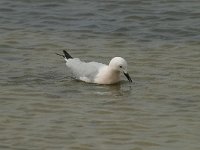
x,y
43,108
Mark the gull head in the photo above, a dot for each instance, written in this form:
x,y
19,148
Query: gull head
x,y
120,64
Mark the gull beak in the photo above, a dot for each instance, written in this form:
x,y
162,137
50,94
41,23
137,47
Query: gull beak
x,y
128,77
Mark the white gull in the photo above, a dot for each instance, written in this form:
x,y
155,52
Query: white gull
x,y
94,72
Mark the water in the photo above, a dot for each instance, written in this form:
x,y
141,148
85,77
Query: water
x,y
42,107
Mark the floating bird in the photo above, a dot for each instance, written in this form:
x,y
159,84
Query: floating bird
x,y
94,72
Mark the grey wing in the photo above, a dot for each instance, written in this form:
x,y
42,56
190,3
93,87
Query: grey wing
x,y
82,69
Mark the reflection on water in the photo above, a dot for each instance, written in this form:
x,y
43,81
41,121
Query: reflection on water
x,y
42,107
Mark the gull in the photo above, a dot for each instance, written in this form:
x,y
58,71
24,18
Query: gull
x,y
94,72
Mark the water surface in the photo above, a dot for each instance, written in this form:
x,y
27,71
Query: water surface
x,y
42,107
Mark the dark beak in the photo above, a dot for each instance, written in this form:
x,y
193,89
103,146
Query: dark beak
x,y
128,77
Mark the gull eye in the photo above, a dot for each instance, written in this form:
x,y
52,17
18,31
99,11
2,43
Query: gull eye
x,y
120,66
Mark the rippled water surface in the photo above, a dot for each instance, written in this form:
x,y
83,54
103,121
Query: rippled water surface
x,y
42,107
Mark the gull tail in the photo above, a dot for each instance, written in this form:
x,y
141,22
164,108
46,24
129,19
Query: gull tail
x,y
66,55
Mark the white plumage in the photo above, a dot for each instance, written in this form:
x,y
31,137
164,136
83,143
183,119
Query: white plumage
x,y
94,72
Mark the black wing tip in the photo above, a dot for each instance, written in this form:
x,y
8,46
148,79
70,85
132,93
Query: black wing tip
x,y
67,55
